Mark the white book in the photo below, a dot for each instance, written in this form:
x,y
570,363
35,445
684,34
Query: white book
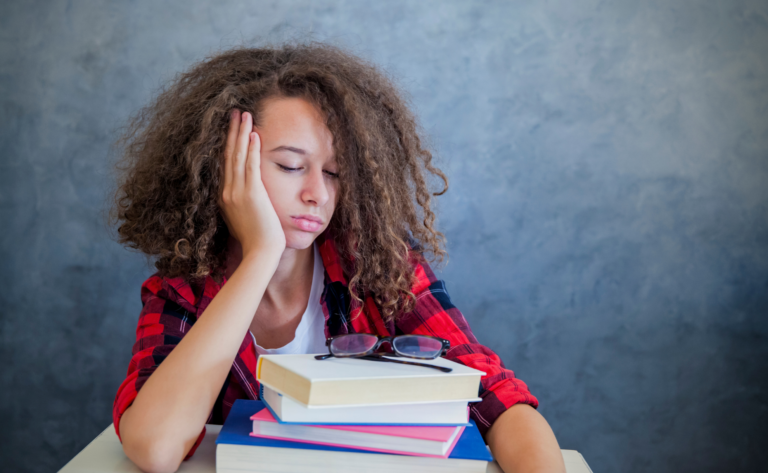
x,y
354,381
288,411
264,459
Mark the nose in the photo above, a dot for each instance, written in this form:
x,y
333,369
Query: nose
x,y
315,190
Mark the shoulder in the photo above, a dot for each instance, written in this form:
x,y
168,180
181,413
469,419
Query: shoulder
x,y
424,277
192,296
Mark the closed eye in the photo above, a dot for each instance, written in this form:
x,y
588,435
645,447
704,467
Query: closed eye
x,y
286,168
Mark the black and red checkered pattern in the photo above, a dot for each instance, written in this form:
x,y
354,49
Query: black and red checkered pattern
x,y
172,306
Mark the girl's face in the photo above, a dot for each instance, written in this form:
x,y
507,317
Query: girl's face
x,y
298,168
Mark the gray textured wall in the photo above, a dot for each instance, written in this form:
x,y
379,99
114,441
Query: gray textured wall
x,y
607,219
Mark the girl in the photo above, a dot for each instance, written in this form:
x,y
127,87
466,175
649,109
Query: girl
x,y
283,192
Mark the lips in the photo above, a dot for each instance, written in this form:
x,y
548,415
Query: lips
x,y
308,223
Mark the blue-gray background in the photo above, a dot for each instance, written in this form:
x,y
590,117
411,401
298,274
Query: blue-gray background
x,y
607,219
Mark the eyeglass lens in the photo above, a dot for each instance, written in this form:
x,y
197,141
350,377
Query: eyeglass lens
x,y
353,344
409,345
418,346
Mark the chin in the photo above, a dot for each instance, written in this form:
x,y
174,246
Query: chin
x,y
299,240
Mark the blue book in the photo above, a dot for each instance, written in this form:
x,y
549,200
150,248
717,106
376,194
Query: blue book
x,y
237,451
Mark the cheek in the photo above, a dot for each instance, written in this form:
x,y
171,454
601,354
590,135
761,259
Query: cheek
x,y
334,194
276,189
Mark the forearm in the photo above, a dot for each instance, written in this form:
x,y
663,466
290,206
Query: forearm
x,y
522,441
169,412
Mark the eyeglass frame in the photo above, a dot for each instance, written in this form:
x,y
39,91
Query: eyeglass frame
x,y
446,345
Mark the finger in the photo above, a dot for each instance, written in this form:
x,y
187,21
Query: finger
x,y
252,169
241,151
229,149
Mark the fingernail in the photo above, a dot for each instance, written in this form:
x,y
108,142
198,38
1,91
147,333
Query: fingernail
x,y
244,114
233,113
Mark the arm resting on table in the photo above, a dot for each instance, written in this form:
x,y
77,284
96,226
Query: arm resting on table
x,y
165,419
522,441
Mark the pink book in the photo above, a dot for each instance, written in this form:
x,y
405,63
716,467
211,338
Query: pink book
x,y
402,440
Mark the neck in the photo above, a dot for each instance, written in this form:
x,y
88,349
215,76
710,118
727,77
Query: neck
x,y
293,272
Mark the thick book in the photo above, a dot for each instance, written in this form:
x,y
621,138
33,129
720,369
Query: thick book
x,y
402,440
239,452
441,413
351,381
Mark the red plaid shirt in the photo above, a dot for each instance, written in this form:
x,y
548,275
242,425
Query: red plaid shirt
x,y
171,307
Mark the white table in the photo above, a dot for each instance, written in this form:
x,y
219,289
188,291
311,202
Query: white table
x,y
105,455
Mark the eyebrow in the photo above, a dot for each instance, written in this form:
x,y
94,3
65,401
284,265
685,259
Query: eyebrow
x,y
291,149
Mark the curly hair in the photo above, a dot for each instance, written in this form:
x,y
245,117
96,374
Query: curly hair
x,y
172,157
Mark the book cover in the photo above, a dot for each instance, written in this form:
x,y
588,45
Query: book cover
x,y
350,381
403,440
238,426
441,413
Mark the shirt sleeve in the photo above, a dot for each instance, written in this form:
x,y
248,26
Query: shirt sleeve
x,y
162,324
435,315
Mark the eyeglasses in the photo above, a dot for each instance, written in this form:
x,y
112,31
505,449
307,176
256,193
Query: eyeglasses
x,y
364,346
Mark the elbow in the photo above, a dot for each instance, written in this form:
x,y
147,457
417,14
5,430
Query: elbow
x,y
154,457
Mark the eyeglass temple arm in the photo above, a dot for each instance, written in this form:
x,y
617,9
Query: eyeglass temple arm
x,y
390,360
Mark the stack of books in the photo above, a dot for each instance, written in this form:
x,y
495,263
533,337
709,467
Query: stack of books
x,y
344,414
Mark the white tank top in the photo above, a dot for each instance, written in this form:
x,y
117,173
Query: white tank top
x,y
310,334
